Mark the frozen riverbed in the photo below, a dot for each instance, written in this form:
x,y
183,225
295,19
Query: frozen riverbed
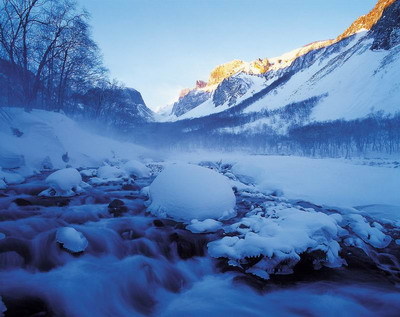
x,y
131,263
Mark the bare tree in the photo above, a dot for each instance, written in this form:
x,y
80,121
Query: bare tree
x,y
48,44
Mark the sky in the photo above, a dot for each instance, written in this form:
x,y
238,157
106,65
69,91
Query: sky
x,y
162,46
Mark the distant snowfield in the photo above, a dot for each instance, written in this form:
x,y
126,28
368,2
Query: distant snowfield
x,y
331,182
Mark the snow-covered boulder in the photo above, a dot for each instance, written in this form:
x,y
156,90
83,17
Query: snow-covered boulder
x,y
64,182
136,168
107,171
186,192
71,239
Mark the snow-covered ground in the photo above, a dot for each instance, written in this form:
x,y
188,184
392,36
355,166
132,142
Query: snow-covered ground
x,y
91,226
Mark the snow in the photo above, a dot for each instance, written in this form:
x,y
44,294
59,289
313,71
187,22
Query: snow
x,y
49,135
11,178
322,181
65,182
281,238
208,107
207,225
108,171
136,168
371,235
353,89
71,239
185,191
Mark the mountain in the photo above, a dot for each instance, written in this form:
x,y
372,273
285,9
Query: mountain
x,y
351,76
119,107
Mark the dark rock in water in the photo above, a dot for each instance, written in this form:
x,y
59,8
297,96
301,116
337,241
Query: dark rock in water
x,y
22,202
131,186
117,208
158,223
187,246
50,201
26,307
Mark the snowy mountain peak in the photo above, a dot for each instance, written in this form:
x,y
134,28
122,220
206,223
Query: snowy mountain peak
x,y
381,21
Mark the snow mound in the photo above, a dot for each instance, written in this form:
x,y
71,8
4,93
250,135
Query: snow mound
x,y
136,168
205,226
64,182
280,238
107,171
71,239
187,192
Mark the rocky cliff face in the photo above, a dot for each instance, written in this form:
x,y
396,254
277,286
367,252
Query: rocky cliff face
x,y
386,32
367,21
189,101
230,89
261,66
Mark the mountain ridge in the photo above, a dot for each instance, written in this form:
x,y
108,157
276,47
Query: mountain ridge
x,y
264,66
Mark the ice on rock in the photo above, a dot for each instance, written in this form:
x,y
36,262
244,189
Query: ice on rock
x,y
71,239
280,239
136,168
372,235
186,192
3,185
205,226
64,182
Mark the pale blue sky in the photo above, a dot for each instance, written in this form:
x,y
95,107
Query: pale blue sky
x,y
161,46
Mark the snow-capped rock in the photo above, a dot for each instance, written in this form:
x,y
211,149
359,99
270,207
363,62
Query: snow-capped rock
x,y
71,239
186,192
64,182
207,225
108,171
136,168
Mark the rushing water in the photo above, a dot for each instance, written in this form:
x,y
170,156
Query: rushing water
x,y
136,264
